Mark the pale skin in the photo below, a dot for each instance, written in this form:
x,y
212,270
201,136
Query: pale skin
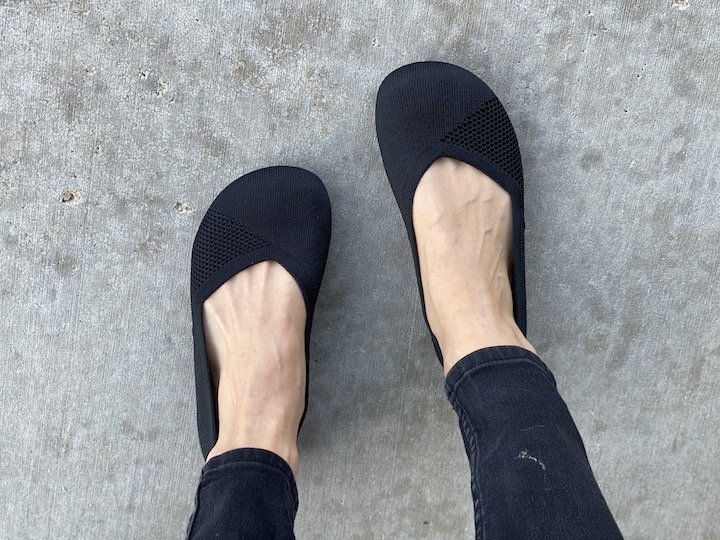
x,y
255,322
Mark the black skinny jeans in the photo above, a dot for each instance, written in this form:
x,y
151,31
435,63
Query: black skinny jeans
x,y
529,474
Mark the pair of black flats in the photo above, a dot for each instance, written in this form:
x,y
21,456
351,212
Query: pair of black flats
x,y
424,111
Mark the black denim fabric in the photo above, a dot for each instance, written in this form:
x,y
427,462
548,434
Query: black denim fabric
x,y
247,493
529,474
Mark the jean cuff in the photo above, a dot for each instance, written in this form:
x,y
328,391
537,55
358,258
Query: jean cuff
x,y
493,357
261,456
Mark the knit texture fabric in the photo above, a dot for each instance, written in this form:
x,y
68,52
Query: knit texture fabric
x,y
279,214
429,110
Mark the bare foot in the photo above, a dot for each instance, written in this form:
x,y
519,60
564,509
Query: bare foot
x,y
255,337
463,228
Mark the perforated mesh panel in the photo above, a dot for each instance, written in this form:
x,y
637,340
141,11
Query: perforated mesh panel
x,y
488,131
219,240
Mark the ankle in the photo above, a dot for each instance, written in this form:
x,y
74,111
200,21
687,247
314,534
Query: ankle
x,y
261,405
480,333
281,446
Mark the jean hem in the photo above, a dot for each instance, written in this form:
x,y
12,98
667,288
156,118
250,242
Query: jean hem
x,y
491,357
255,455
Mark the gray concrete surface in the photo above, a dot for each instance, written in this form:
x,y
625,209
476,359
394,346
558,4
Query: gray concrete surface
x,y
137,106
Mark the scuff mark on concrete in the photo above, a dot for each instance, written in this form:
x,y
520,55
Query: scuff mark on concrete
x,y
65,265
161,87
681,4
71,197
183,208
133,433
524,454
249,72
80,7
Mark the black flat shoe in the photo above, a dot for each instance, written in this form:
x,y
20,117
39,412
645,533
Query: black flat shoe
x,y
429,110
279,214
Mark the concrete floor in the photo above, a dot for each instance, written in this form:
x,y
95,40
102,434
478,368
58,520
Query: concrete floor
x,y
132,107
